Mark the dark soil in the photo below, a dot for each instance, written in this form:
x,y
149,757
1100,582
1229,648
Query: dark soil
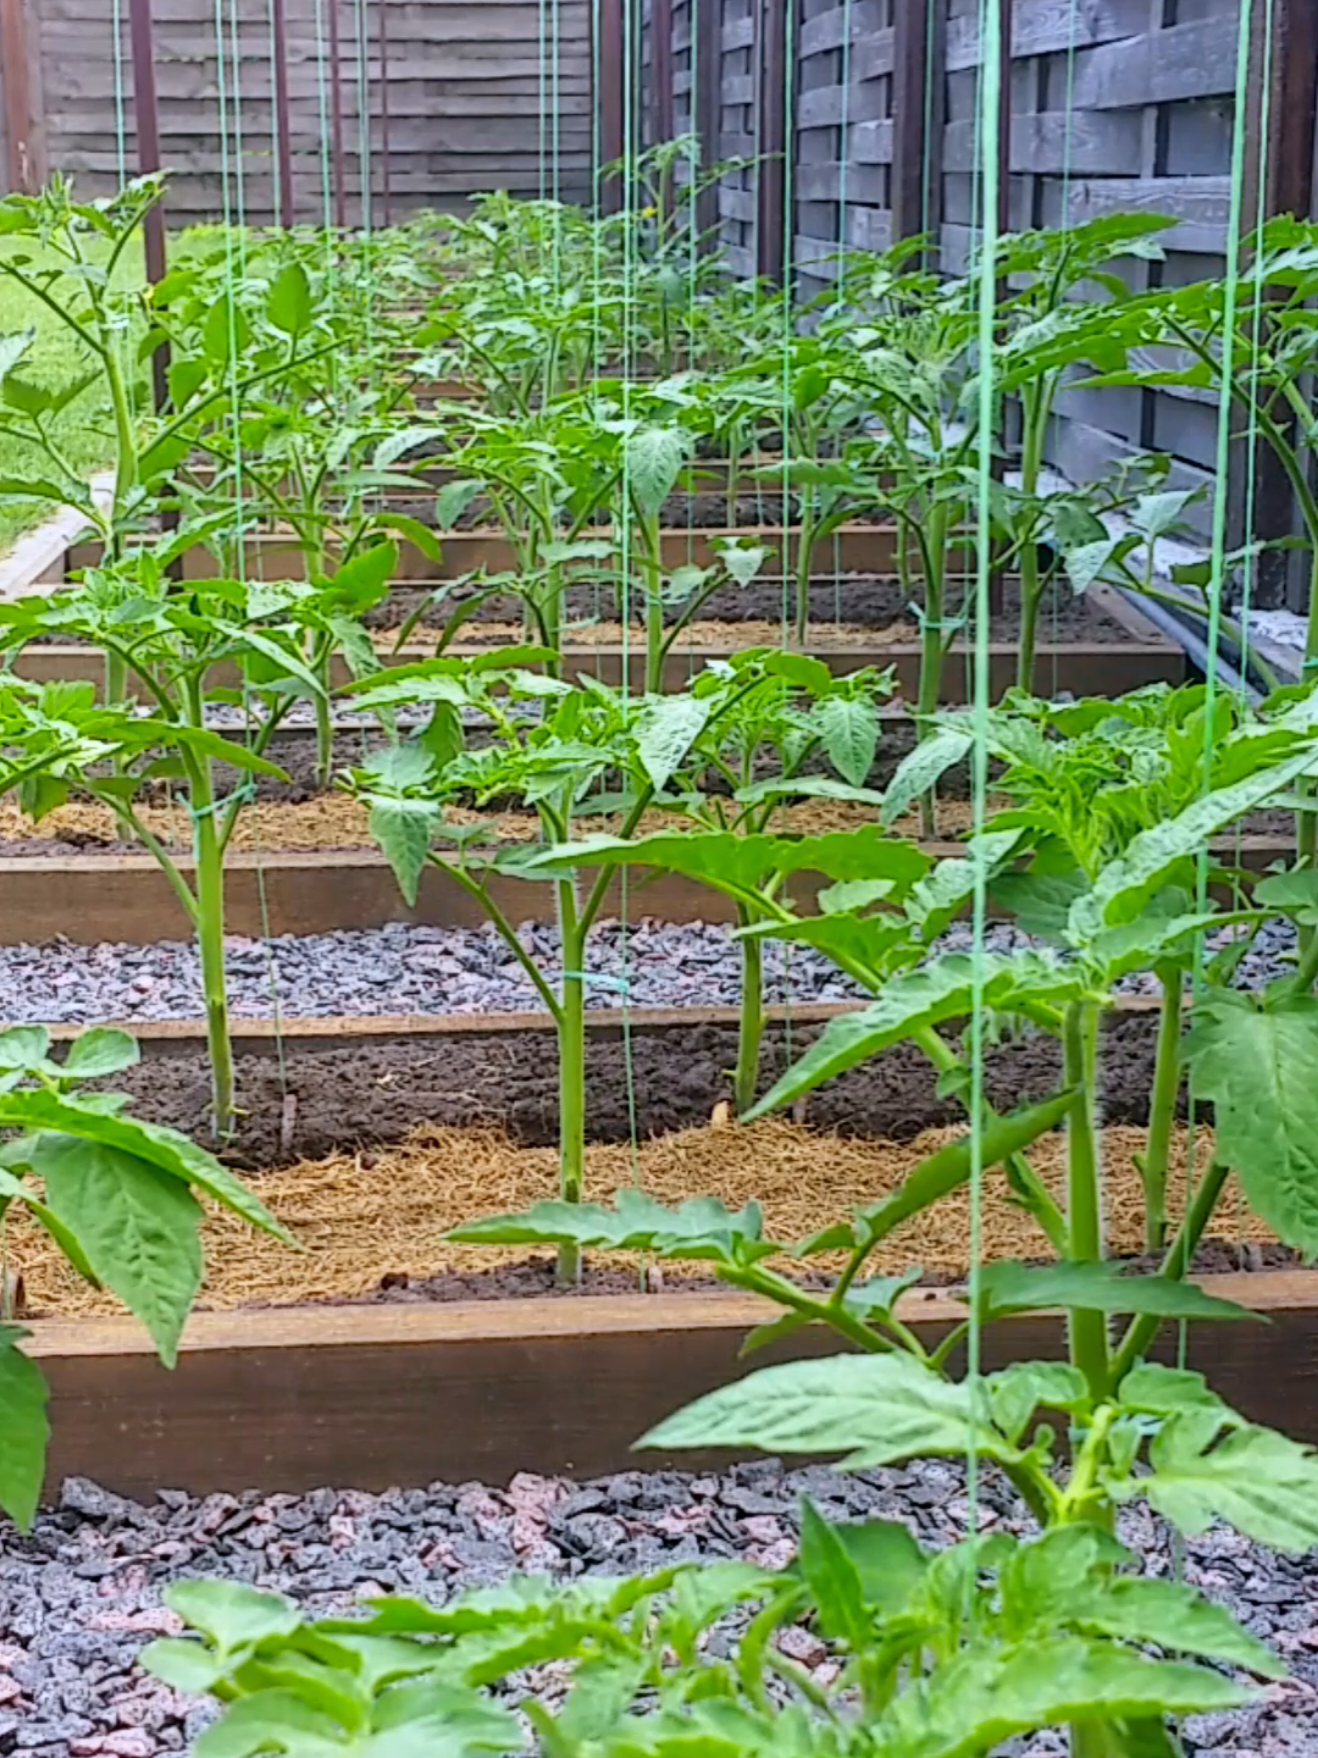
x,y
855,600
371,1094
536,1277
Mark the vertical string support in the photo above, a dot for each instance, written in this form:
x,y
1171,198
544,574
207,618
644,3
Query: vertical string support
x,y
989,114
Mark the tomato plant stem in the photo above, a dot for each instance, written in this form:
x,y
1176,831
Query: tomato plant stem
x,y
751,1028
1089,1346
571,1068
1162,1106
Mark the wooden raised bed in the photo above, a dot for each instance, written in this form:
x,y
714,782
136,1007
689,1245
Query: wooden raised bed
x,y
126,897
371,1397
1080,668
858,549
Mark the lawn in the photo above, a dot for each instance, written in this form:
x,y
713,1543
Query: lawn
x,y
83,431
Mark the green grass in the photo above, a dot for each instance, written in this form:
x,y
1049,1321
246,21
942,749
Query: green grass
x,y
84,431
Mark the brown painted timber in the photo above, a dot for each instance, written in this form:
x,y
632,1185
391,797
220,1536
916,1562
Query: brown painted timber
x,y
259,1037
1080,668
126,897
369,1397
854,549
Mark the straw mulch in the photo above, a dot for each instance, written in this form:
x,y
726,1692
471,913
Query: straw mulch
x,y
702,633
362,1217
334,821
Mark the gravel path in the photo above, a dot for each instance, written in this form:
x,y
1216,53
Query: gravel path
x,y
403,969
395,969
81,1595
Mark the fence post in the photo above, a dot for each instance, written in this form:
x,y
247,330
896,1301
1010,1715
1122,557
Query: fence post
x,y
146,114
23,173
914,186
772,145
283,129
706,104
610,80
1292,85
663,100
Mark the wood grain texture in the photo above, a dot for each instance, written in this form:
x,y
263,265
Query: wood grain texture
x,y
468,74
291,1400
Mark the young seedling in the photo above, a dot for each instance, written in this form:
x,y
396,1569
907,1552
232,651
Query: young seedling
x,y
99,1183
555,765
177,649
1121,898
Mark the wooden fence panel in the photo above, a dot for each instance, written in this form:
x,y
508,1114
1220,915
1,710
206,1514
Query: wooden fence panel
x,y
844,134
495,95
1111,110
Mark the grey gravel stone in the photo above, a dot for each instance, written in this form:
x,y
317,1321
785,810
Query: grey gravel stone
x,y
69,1684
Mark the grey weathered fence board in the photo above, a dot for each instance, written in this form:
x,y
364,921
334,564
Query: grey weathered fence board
x,y
466,88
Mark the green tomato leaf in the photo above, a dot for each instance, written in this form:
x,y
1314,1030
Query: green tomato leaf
x,y
1259,1481
1008,1287
850,729
667,729
404,829
991,1691
653,458
874,1409
1125,885
1175,1617
1258,1066
917,773
833,1581
946,988
288,306
24,1430
137,1226
168,1149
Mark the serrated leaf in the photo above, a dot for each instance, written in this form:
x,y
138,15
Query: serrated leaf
x,y
917,773
1007,1287
1170,1614
665,732
452,501
404,830
101,1051
363,582
991,1692
168,1149
1126,884
233,1615
833,1581
1026,1386
24,1430
1262,1483
946,988
873,1409
850,729
700,1229
1259,1068
137,1226
288,305
653,458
